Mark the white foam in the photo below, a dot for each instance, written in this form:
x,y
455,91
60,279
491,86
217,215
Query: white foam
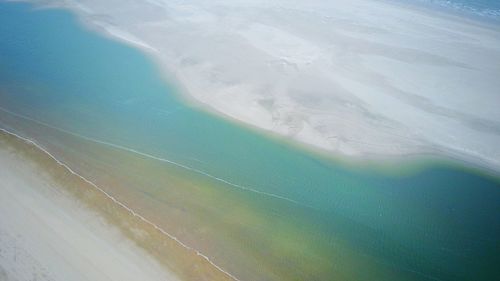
x,y
127,37
120,147
31,142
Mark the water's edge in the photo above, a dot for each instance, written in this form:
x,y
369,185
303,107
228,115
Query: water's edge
x,y
210,183
22,146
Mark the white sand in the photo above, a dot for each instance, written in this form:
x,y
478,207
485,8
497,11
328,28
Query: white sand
x,y
46,235
356,77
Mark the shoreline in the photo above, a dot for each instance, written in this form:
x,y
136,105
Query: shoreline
x,y
392,164
134,230
255,237
416,151
448,12
129,234
395,164
48,234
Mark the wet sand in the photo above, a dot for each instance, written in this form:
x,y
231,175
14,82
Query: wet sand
x,y
56,226
159,173
352,78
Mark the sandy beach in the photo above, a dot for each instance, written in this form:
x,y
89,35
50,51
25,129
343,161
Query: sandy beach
x,y
46,234
107,173
356,78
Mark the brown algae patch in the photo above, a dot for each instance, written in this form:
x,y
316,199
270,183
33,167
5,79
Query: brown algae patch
x,y
187,264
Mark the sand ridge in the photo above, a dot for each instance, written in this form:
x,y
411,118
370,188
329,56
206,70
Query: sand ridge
x,y
354,78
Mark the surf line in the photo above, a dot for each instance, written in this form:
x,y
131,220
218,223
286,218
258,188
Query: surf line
x,y
143,154
135,214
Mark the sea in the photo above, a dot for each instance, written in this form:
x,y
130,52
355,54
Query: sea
x,y
257,206
482,10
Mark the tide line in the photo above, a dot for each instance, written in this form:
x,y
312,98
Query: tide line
x,y
198,253
143,154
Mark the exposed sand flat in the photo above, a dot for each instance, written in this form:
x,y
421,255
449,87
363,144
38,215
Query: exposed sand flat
x,y
45,234
355,77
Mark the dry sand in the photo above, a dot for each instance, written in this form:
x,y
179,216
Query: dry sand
x,y
356,77
46,234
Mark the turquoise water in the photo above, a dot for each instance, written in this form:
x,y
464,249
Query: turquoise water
x,y
488,10
440,223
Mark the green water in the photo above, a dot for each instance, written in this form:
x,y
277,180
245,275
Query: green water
x,y
258,201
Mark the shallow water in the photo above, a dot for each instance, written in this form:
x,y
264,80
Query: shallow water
x,y
486,10
260,208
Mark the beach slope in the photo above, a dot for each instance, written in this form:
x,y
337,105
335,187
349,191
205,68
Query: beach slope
x,y
46,234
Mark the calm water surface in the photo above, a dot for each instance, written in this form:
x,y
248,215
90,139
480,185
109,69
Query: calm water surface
x,y
256,202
